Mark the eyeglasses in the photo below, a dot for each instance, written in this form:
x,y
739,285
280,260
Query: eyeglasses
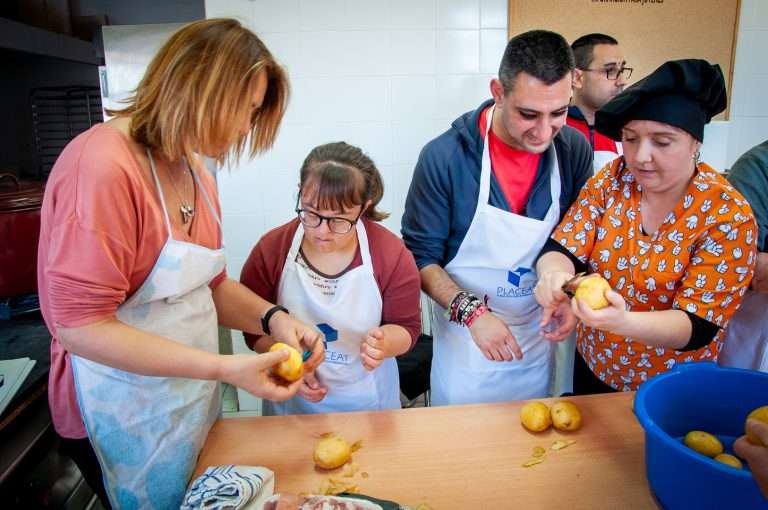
x,y
613,73
336,224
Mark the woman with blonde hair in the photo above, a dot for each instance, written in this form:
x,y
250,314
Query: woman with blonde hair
x,y
131,269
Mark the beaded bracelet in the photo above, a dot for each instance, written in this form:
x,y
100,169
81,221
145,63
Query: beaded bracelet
x,y
465,307
480,310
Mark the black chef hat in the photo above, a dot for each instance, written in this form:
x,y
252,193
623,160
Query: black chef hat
x,y
682,93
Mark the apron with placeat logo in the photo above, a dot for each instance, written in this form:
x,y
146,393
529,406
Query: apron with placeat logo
x,y
344,318
496,259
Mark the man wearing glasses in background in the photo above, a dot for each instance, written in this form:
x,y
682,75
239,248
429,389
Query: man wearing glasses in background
x,y
600,74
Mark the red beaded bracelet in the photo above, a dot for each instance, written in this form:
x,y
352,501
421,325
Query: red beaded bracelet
x,y
480,310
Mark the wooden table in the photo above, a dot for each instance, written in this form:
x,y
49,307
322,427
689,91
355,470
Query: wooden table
x,y
462,457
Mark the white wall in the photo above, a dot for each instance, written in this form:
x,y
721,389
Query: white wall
x,y
386,75
389,75
749,101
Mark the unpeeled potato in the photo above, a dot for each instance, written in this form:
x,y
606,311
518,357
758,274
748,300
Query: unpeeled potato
x,y
761,414
704,443
292,368
591,291
566,416
331,452
535,416
729,459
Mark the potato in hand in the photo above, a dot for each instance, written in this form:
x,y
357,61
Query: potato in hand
x,y
760,414
292,368
591,290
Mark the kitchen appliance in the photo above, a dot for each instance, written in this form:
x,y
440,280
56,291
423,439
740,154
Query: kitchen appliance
x,y
20,203
59,114
128,49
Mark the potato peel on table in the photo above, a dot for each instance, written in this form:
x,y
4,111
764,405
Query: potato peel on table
x,y
562,443
349,470
533,461
332,487
331,452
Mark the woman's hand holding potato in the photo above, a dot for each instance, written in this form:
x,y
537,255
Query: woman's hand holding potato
x,y
610,318
549,289
755,455
254,374
298,335
557,320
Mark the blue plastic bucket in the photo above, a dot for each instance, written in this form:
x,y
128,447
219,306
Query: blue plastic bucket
x,y
699,396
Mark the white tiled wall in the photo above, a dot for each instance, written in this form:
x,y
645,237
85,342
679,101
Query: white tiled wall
x,y
386,75
389,75
749,101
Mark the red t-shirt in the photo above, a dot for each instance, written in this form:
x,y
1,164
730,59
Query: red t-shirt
x,y
598,141
102,229
515,170
393,268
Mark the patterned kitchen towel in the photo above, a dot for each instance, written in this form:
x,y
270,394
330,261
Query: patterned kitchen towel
x,y
230,488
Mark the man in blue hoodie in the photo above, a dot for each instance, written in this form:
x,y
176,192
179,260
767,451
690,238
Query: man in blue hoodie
x,y
484,199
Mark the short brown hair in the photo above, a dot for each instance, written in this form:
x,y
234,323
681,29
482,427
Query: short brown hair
x,y
584,48
197,89
542,54
343,177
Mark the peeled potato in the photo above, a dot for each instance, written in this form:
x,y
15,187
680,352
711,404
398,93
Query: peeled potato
x,y
292,368
592,290
704,443
535,416
332,452
728,459
761,414
566,416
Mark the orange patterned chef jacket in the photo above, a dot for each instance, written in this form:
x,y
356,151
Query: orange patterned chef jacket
x,y
700,260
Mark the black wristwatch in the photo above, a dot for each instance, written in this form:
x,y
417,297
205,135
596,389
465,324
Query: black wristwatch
x,y
268,315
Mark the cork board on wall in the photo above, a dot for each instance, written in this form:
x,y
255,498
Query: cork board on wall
x,y
649,31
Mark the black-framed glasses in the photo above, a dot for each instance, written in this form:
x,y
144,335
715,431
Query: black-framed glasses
x,y
613,73
336,224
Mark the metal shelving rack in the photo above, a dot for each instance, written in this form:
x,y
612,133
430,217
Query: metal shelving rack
x,y
59,114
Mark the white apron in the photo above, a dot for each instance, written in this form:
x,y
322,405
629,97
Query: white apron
x,y
746,336
147,431
344,318
496,259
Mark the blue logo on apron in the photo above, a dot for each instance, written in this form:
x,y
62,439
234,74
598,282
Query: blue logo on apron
x,y
518,288
515,276
331,335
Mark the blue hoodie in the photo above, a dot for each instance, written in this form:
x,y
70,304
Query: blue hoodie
x,y
443,195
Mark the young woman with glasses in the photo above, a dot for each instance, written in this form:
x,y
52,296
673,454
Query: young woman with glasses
x,y
336,267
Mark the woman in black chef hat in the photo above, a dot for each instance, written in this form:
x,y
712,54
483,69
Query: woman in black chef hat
x,y
674,240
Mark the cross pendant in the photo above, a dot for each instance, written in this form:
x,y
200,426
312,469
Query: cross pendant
x,y
186,213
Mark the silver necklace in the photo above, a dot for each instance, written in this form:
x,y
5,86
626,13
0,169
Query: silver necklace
x,y
187,210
